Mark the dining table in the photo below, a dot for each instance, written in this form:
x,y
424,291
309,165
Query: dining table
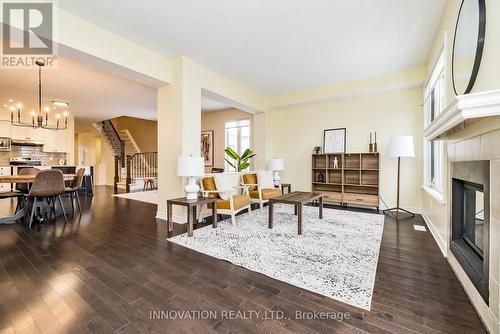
x,y
22,179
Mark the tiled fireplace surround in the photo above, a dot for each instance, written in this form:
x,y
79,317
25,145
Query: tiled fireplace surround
x,y
482,143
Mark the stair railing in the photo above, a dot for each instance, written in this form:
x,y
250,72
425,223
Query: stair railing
x,y
142,165
117,144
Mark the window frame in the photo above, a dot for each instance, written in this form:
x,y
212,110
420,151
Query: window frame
x,y
434,105
227,167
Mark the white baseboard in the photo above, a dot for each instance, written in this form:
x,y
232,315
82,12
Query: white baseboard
x,y
178,219
439,239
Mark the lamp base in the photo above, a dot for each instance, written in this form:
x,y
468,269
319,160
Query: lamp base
x,y
397,209
276,178
191,188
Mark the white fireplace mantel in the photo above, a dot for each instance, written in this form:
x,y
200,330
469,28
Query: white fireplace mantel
x,y
463,108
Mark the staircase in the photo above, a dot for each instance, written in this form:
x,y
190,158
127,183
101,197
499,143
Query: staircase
x,y
122,145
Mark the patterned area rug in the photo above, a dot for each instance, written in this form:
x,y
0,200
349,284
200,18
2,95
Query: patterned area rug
x,y
335,257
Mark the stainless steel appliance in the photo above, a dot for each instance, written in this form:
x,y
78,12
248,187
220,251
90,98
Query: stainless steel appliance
x,y
18,163
5,144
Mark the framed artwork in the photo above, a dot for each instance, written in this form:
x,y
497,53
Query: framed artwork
x,y
334,140
207,147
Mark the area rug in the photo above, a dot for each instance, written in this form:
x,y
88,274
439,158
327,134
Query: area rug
x,y
142,196
335,257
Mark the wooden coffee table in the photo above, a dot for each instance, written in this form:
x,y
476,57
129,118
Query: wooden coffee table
x,y
298,199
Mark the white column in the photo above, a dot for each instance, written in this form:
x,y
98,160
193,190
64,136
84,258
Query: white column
x,y
179,128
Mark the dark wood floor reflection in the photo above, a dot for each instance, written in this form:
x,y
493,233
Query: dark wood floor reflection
x,y
105,272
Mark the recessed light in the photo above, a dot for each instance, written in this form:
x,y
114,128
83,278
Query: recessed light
x,y
5,106
11,100
60,103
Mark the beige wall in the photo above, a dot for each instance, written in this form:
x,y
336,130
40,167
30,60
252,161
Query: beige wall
x,y
294,132
215,121
91,149
144,132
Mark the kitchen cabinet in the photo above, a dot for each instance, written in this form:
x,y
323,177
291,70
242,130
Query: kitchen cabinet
x,y
27,133
5,129
54,141
4,187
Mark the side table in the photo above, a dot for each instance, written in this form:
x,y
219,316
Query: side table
x,y
286,185
191,211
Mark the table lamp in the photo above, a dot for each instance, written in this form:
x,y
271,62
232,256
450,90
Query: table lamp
x,y
191,167
400,147
276,165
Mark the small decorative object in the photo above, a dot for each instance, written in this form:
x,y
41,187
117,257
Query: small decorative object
x,y
241,162
317,149
320,177
334,140
191,167
336,163
276,165
370,145
207,147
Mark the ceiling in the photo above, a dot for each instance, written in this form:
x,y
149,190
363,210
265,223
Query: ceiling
x,y
208,105
276,46
93,95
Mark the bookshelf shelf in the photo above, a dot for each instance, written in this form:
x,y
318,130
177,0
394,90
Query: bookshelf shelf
x,y
354,181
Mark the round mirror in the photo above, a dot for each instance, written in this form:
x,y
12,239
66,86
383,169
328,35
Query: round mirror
x,y
468,45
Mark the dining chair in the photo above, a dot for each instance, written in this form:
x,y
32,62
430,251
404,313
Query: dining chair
x,y
20,189
48,184
72,190
25,187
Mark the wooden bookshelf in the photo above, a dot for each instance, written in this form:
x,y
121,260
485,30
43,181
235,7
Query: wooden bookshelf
x,y
355,181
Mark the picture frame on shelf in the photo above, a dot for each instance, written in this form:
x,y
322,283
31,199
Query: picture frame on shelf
x,y
334,140
207,147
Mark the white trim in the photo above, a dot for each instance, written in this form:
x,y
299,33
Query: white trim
x,y
438,196
177,219
464,107
132,140
437,237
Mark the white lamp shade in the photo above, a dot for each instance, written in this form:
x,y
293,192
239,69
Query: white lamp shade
x,y
190,166
276,164
401,147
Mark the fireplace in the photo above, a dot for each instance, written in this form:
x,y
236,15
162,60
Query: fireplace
x,y
471,220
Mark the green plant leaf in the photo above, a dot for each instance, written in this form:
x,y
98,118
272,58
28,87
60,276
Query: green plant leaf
x,y
246,153
231,153
230,163
243,166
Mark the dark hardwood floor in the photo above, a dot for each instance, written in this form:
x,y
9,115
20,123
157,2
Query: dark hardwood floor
x,y
105,272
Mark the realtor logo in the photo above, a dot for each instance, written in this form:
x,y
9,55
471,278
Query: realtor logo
x,y
28,33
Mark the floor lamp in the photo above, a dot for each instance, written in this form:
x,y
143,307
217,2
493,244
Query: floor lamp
x,y
400,147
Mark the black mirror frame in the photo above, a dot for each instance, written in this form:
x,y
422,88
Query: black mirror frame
x,y
479,47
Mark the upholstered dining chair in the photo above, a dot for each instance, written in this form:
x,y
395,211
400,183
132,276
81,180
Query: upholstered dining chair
x,y
72,190
25,187
48,184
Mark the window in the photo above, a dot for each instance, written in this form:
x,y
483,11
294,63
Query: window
x,y
434,97
237,137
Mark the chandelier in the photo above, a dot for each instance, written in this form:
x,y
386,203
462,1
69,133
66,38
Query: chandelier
x,y
39,119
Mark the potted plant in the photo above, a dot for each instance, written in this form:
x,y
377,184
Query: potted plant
x,y
240,163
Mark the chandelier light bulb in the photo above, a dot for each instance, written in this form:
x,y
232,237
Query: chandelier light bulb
x,y
46,109
58,116
33,113
19,106
12,108
65,114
